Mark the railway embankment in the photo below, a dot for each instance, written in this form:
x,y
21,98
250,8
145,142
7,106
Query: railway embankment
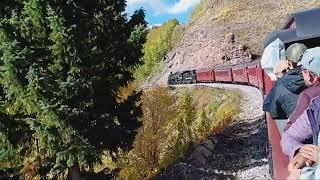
x,y
237,153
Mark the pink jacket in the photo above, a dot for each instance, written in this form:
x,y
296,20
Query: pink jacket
x,y
306,127
303,102
292,138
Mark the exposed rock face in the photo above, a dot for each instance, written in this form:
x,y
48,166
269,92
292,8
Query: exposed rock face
x,y
200,50
203,44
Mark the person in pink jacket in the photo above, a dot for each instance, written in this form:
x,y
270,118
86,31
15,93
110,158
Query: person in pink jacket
x,y
306,126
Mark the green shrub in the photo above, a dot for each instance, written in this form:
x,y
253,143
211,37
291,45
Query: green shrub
x,y
226,112
177,35
202,126
179,130
159,43
199,10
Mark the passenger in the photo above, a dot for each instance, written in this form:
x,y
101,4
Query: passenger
x,y
272,54
281,68
284,94
300,131
307,126
310,71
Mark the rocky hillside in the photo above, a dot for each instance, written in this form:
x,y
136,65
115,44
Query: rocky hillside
x,y
224,32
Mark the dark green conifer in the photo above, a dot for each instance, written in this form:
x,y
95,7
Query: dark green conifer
x,y
61,63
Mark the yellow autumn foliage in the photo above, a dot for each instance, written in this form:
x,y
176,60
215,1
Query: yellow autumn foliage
x,y
125,91
174,121
160,40
129,173
226,112
106,163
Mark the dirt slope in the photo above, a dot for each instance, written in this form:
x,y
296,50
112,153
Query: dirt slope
x,y
205,45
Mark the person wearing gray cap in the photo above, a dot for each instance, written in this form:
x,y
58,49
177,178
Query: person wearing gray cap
x,y
283,96
310,66
299,128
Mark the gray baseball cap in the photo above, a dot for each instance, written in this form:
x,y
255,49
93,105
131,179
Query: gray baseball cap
x,y
311,60
295,52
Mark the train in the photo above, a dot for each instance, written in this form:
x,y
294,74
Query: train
x,y
249,74
300,27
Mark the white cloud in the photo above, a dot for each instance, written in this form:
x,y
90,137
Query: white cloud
x,y
156,6
154,25
160,7
182,6
135,2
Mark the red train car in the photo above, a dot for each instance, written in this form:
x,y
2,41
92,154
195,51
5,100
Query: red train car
x,y
275,128
252,74
267,83
240,75
205,76
260,76
300,27
223,75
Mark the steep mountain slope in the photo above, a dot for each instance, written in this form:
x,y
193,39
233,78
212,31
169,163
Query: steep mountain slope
x,y
207,41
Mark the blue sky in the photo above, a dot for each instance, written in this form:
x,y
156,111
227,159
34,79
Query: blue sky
x,y
159,11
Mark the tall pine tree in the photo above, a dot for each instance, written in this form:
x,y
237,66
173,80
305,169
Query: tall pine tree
x,y
61,64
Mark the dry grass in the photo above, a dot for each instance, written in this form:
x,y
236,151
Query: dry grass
x,y
205,96
199,10
220,108
226,112
250,20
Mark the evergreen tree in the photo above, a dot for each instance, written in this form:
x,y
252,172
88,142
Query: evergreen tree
x,y
159,43
61,65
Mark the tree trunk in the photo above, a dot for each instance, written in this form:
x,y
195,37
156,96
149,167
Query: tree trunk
x,y
75,172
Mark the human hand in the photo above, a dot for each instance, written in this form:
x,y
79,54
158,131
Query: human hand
x,y
297,162
294,174
310,152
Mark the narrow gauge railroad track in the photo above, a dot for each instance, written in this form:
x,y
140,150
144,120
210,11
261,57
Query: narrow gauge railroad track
x,y
237,153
